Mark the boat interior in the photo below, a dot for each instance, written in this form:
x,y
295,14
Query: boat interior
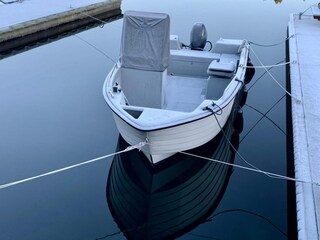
x,y
194,76
191,77
157,71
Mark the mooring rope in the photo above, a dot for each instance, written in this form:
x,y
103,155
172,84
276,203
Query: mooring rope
x,y
97,49
270,66
303,13
130,148
273,78
226,137
269,174
271,45
236,151
252,167
264,73
264,115
90,44
88,15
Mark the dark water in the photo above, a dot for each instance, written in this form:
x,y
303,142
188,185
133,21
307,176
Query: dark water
x,y
52,114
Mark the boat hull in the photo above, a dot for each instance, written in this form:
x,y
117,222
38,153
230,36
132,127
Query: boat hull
x,y
169,201
163,143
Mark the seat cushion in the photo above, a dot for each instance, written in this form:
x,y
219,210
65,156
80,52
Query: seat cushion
x,y
223,69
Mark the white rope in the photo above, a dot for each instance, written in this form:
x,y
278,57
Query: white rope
x,y
81,12
137,146
90,44
270,174
253,168
271,45
303,13
97,49
270,66
237,152
298,100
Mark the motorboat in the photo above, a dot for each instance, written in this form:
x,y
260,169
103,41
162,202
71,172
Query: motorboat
x,y
175,96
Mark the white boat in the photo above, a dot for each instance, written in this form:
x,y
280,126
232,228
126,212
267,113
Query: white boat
x,y
174,96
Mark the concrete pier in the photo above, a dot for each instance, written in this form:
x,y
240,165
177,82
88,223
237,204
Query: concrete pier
x,y
304,54
22,31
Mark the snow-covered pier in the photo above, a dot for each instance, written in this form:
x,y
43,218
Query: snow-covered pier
x,y
304,55
26,21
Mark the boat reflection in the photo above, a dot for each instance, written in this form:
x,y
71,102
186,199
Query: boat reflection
x,y
169,200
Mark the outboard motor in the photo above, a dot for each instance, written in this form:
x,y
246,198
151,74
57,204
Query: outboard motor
x,y
198,37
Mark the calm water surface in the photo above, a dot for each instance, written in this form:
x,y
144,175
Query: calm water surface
x,y
52,114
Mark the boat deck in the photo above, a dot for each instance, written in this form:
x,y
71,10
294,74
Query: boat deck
x,y
184,93
304,77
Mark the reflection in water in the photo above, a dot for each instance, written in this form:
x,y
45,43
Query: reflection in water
x,y
40,38
169,200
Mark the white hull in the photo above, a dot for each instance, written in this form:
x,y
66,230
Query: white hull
x,y
164,143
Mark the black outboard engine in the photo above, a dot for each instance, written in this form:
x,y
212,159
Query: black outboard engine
x,y
198,37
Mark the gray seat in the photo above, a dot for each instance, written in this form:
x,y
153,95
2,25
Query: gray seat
x,y
221,69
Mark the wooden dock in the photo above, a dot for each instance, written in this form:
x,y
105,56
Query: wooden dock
x,y
35,28
304,55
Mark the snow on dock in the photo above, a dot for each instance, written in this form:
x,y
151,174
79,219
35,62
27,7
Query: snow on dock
x,y
304,53
22,18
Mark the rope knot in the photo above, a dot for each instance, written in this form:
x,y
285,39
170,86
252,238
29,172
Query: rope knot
x,y
211,108
137,146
